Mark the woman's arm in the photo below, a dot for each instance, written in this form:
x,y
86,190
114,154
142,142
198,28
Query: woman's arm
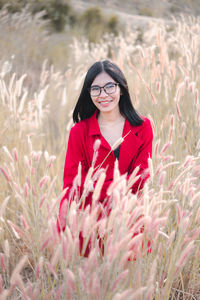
x,y
141,160
74,156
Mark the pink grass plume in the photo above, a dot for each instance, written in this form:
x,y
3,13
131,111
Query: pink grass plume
x,y
28,182
178,111
183,129
46,155
165,147
93,258
127,294
45,243
188,161
16,230
42,199
102,227
125,258
51,269
34,191
196,98
171,239
151,279
52,158
39,267
139,293
136,243
24,222
73,218
179,91
158,86
133,178
117,143
7,177
70,278
56,255
152,124
162,177
79,174
70,241
150,165
2,260
26,189
192,86
8,153
156,148
15,154
98,187
44,180
96,286
6,248
83,279
3,206
121,277
172,126
167,157
195,198
87,225
97,144
38,155
184,256
64,245
17,270
27,161
1,284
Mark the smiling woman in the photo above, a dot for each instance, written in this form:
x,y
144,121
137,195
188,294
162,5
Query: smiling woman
x,y
104,112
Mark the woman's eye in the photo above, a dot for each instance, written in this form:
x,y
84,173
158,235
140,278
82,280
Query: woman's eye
x,y
109,85
94,88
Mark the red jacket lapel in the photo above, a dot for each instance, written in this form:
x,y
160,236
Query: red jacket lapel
x,y
129,147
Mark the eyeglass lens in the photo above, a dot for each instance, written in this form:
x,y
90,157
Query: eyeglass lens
x,y
109,88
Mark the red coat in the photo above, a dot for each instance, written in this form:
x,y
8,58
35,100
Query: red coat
x,y
134,151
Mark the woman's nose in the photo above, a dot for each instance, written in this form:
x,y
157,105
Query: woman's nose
x,y
102,93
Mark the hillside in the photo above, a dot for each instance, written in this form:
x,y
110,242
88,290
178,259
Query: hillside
x,y
153,8
139,13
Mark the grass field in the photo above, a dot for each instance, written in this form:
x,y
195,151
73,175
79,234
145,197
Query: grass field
x,y
40,78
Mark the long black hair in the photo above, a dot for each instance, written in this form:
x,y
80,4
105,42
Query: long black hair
x,y
85,108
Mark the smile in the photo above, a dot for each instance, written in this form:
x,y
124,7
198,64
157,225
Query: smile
x,y
105,101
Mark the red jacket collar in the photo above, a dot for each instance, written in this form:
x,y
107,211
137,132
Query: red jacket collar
x,y
93,125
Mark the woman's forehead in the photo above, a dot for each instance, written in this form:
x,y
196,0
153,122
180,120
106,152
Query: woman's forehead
x,y
102,78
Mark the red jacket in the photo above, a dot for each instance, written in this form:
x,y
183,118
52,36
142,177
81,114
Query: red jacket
x,y
134,151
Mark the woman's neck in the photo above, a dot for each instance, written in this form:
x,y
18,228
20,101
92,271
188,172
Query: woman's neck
x,y
110,118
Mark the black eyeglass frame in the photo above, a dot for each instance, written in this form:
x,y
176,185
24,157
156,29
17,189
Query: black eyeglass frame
x,y
103,87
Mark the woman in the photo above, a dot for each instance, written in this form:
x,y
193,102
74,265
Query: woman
x,y
104,112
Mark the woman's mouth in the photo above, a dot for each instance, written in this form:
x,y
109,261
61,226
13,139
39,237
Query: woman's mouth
x,y
104,102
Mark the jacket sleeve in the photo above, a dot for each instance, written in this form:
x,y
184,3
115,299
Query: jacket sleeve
x,y
74,156
141,160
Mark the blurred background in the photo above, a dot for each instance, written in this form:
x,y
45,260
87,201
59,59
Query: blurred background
x,y
64,20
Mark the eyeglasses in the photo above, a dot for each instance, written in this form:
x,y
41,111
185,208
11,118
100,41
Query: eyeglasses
x,y
109,88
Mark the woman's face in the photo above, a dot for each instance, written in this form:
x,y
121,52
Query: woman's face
x,y
105,99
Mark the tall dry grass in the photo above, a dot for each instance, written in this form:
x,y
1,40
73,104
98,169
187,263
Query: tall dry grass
x,y
163,75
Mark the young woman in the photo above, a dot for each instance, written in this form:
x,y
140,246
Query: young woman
x,y
104,112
